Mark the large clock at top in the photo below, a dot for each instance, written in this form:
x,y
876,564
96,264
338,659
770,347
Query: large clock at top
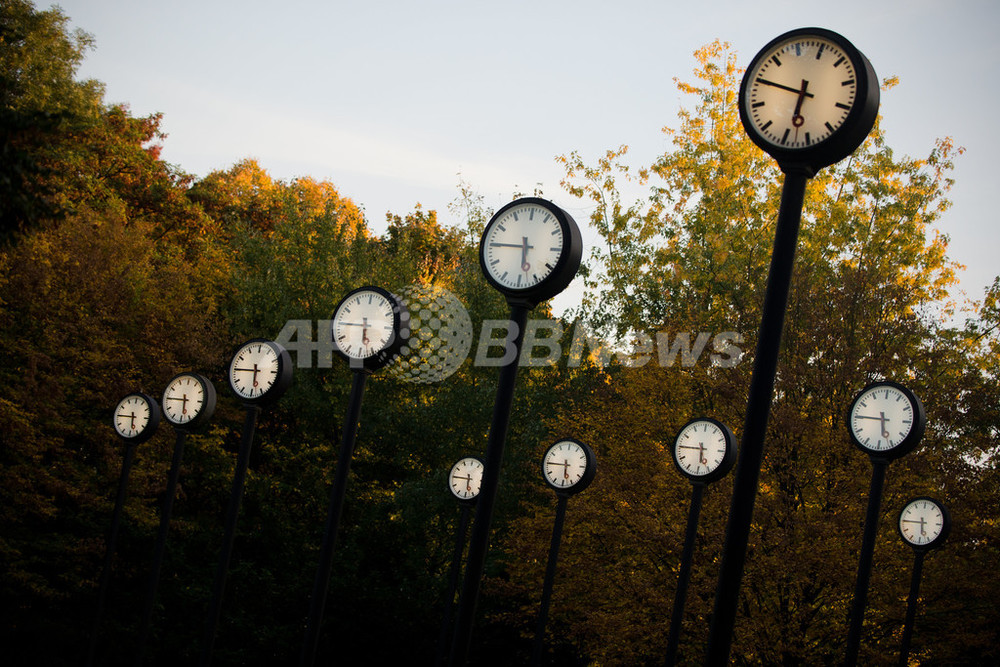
x,y
809,98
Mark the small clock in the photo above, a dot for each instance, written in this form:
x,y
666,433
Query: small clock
x,y
260,371
369,327
530,250
924,523
886,420
188,401
704,450
466,478
809,98
569,466
136,418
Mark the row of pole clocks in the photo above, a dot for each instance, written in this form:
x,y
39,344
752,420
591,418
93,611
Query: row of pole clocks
x,y
809,98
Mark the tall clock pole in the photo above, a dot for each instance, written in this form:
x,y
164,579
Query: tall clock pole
x,y
529,252
188,403
479,539
368,329
809,99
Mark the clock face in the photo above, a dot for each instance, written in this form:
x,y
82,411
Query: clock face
x,y
801,92
259,370
924,522
188,400
530,247
886,419
136,417
568,466
704,450
367,325
466,478
809,97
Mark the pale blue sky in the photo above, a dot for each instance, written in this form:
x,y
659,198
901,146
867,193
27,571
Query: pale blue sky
x,y
391,100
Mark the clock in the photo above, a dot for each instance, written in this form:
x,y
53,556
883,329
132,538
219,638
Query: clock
x,y
188,401
260,372
569,466
466,478
924,523
886,420
530,250
704,450
136,418
369,326
809,98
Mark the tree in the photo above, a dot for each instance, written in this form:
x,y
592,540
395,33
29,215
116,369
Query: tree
x,y
870,287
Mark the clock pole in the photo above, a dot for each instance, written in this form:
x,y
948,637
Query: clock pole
x,y
758,411
232,515
109,549
461,532
549,582
879,467
684,576
479,541
320,586
161,543
911,606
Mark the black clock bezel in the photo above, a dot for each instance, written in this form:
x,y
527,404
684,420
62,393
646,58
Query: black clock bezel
x,y
473,499
208,409
842,142
588,474
945,527
400,332
566,266
728,458
281,383
912,438
155,415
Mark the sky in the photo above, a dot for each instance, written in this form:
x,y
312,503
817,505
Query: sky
x,y
398,102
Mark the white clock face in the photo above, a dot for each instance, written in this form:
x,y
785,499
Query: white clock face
x,y
881,418
921,522
183,399
254,369
132,416
522,247
364,324
801,92
466,478
700,448
564,464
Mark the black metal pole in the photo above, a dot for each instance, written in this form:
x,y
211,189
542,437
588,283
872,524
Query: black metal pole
x,y
879,467
479,542
232,515
109,551
322,582
911,606
550,577
161,544
444,648
758,411
684,576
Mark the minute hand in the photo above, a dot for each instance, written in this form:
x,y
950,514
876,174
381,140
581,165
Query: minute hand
x,y
797,91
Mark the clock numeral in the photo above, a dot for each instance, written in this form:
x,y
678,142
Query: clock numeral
x,y
849,82
819,52
841,105
776,60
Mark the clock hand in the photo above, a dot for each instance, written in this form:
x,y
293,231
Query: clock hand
x,y
797,119
701,454
783,87
524,254
885,434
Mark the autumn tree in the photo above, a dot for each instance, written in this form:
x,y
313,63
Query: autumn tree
x,y
869,297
